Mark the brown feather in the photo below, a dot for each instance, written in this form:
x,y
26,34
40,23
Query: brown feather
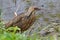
x,y
24,20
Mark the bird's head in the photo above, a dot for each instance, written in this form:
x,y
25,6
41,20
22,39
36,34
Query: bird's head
x,y
32,9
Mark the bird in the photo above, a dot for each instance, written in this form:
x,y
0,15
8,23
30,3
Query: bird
x,y
24,20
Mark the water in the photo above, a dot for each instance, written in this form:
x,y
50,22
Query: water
x,y
50,7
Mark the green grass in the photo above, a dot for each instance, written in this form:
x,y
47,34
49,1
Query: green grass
x,y
5,34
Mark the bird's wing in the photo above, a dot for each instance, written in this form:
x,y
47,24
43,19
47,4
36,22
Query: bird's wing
x,y
15,20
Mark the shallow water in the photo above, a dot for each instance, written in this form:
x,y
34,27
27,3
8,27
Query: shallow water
x,y
51,8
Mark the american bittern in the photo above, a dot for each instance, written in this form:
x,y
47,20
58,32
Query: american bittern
x,y
24,20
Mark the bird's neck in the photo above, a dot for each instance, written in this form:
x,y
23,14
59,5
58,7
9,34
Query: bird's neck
x,y
29,12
